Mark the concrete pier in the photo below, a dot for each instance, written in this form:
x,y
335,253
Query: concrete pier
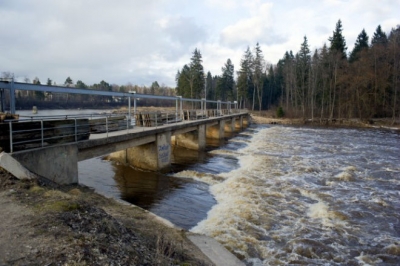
x,y
194,140
216,131
155,156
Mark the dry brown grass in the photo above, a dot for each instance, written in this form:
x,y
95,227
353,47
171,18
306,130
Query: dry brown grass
x,y
75,226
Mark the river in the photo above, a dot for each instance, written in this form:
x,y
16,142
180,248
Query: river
x,y
278,195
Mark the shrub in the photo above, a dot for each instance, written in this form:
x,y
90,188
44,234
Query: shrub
x,y
279,112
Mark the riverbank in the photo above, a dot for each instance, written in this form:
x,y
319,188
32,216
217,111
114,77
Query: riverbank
x,y
372,123
47,224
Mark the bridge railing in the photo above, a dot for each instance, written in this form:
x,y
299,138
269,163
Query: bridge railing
x,y
29,132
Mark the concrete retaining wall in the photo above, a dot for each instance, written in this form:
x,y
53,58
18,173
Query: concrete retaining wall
x,y
57,163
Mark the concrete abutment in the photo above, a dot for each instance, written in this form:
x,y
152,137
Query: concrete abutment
x,y
58,163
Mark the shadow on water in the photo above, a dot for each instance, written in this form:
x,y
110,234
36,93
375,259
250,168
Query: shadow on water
x,y
183,201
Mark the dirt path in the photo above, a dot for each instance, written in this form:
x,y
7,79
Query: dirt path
x,y
17,240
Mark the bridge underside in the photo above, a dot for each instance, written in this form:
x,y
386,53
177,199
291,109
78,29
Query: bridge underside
x,y
150,150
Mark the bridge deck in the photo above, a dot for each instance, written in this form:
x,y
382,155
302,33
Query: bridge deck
x,y
171,126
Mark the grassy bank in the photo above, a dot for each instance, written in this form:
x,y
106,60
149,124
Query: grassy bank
x,y
46,224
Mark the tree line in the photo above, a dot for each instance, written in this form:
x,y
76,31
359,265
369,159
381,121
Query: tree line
x,y
328,83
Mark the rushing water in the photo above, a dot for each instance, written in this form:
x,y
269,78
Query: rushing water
x,y
276,195
310,196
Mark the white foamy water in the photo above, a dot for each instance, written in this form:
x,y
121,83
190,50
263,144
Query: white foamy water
x,y
309,196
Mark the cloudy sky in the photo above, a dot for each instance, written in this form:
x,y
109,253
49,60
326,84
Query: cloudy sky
x,y
141,41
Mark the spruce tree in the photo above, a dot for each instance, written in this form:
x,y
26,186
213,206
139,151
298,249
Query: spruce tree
x,y
379,37
210,89
183,79
245,79
303,59
338,43
191,80
226,82
258,75
361,44
197,75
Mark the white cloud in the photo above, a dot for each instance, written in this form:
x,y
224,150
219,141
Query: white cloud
x,y
183,31
253,29
143,41
231,4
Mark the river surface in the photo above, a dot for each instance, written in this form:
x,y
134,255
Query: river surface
x,y
278,195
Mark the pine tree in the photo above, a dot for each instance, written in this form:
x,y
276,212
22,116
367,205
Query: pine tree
x,y
245,78
197,75
379,37
210,89
258,75
303,66
183,79
360,45
81,85
191,80
226,82
68,82
338,43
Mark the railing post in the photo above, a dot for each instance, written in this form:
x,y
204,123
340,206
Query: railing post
x,y
176,110
11,140
134,108
128,121
181,112
107,125
41,132
12,97
203,106
76,131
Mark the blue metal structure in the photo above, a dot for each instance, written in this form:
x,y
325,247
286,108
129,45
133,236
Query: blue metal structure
x,y
12,86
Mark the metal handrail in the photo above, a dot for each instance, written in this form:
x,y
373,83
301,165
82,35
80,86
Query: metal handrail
x,y
74,127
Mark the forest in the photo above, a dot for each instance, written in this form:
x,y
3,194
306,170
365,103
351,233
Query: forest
x,y
327,83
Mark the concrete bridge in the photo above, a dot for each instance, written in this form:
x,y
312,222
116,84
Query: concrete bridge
x,y
146,148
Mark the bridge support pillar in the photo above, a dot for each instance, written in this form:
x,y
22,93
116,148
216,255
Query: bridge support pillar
x,y
239,123
155,156
195,140
58,163
216,131
230,127
246,121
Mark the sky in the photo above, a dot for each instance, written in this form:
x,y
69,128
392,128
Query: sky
x,y
141,41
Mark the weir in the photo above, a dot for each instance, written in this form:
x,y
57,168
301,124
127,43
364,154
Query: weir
x,y
145,148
